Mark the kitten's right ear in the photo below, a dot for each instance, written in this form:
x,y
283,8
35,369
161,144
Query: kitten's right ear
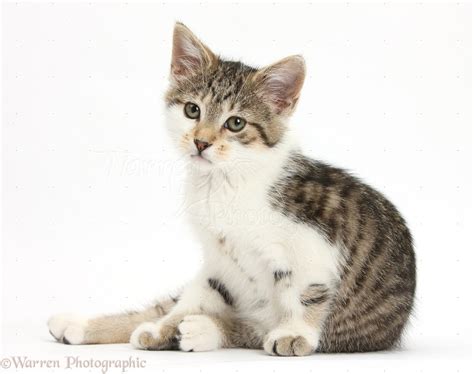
x,y
189,55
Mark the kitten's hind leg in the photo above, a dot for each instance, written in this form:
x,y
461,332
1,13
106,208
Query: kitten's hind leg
x,y
108,329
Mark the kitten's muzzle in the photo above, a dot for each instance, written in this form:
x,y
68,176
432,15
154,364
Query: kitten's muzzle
x,y
201,145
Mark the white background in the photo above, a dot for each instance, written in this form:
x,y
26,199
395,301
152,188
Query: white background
x,y
92,189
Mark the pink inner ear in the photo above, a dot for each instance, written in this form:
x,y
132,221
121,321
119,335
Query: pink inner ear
x,y
282,82
283,90
189,54
186,56
184,65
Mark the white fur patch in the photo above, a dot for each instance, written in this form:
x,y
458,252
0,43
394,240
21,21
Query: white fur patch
x,y
68,328
199,333
258,241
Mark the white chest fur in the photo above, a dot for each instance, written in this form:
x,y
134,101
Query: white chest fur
x,y
245,240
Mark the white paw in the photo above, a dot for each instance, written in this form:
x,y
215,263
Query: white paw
x,y
199,333
68,328
137,339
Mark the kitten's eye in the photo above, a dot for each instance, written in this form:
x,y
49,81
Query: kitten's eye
x,y
235,124
192,111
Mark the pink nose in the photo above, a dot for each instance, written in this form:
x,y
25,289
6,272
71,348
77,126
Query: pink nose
x,y
200,145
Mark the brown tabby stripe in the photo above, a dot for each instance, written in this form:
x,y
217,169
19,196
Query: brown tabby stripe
x,y
263,135
278,275
219,287
314,294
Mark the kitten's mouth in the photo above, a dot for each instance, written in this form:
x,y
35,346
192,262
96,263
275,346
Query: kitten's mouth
x,y
200,158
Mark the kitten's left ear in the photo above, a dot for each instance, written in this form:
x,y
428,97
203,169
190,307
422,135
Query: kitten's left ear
x,y
280,84
190,55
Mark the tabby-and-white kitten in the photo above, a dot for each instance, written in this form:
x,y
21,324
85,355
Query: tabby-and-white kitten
x,y
299,256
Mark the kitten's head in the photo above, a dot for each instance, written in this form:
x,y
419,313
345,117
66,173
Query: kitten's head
x,y
223,113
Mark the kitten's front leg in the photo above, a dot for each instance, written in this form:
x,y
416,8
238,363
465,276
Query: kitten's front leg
x,y
303,310
303,314
196,323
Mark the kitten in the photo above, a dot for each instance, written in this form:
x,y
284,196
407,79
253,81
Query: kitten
x,y
299,256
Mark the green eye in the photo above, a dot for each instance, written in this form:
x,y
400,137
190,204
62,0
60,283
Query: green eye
x,y
235,124
192,111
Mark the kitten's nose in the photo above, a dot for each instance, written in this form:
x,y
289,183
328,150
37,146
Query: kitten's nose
x,y
201,145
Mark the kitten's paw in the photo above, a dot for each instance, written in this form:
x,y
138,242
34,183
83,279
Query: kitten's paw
x,y
68,328
199,333
285,343
154,336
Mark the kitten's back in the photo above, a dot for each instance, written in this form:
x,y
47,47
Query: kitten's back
x,y
375,294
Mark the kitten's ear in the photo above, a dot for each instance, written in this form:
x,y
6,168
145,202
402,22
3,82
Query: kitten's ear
x,y
189,55
280,84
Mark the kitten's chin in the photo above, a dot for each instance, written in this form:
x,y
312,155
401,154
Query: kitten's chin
x,y
201,163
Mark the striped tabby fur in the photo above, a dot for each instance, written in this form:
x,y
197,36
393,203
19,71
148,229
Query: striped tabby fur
x,y
299,256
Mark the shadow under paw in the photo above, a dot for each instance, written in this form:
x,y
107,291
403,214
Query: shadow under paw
x,y
148,342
